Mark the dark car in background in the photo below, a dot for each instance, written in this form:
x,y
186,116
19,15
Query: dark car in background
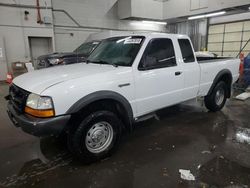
x,y
78,55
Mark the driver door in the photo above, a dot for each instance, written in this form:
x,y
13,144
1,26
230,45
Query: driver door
x,y
159,79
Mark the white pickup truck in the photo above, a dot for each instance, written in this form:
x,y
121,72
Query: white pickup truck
x,y
123,80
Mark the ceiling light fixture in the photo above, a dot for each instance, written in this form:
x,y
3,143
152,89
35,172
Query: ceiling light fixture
x,y
207,15
154,22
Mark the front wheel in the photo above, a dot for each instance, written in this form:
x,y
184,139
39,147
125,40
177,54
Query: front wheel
x,y
96,137
217,99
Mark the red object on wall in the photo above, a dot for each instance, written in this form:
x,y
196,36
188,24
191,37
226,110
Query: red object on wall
x,y
9,78
241,69
39,20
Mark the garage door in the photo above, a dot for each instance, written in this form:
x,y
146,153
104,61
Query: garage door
x,y
228,39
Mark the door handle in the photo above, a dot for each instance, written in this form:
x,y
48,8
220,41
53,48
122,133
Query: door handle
x,y
178,73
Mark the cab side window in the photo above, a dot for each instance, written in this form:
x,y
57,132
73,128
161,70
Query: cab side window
x,y
186,50
158,54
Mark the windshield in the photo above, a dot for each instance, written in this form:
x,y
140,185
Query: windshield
x,y
86,48
118,51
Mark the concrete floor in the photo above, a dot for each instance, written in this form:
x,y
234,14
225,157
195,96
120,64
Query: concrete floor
x,y
214,146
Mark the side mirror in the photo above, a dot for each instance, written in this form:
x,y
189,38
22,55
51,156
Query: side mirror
x,y
149,61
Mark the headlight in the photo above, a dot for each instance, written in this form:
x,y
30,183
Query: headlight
x,y
55,61
39,106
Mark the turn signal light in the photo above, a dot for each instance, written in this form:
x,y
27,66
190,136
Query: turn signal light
x,y
40,113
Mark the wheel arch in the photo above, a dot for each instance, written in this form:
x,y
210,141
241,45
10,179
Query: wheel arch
x,y
108,96
226,76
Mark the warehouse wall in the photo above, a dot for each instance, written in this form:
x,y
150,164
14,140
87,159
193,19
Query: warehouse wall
x,y
150,9
146,9
74,20
90,16
179,8
67,39
195,29
169,9
124,9
72,23
15,29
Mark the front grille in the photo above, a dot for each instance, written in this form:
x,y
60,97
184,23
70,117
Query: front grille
x,y
18,97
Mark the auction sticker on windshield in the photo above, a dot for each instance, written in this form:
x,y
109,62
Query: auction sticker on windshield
x,y
133,41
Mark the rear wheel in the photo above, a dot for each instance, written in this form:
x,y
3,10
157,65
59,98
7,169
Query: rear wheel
x,y
217,99
96,137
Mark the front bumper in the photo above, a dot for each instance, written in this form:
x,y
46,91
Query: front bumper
x,y
38,126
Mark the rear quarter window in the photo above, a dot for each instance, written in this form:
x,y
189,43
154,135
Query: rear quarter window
x,y
186,50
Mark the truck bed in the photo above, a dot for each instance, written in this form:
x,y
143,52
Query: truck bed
x,y
211,66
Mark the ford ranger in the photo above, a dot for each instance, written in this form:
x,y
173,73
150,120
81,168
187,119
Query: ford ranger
x,y
122,81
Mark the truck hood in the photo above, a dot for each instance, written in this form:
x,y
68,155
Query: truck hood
x,y
39,80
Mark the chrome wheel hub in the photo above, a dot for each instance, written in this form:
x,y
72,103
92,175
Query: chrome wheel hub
x,y
219,96
99,137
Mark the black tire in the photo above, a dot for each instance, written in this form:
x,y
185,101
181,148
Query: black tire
x,y
77,138
210,100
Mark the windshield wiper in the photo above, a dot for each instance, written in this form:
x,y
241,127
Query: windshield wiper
x,y
102,62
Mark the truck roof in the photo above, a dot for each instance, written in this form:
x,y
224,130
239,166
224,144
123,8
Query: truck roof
x,y
156,34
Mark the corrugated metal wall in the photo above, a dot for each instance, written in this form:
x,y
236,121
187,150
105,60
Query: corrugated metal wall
x,y
196,30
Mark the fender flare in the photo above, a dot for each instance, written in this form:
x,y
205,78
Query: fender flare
x,y
218,78
102,95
